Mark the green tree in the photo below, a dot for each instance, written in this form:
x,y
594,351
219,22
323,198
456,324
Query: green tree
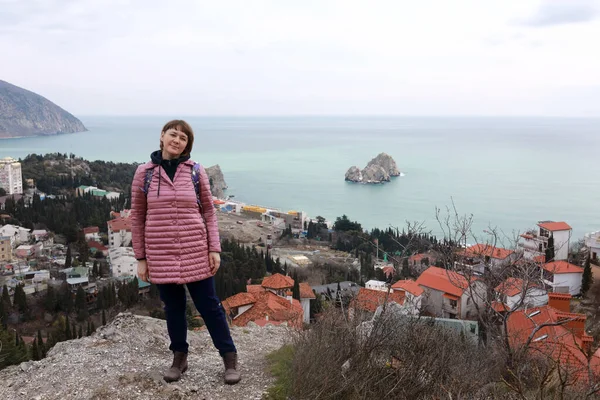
x,y
89,329
81,304
95,270
41,345
73,331
588,278
50,300
35,352
84,250
20,301
103,318
67,328
93,327
3,315
296,287
6,297
80,332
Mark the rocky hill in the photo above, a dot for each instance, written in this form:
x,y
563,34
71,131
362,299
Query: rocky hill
x,y
126,359
217,181
378,170
24,113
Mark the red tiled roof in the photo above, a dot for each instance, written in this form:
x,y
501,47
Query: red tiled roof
x,y
408,285
555,226
306,291
277,282
275,308
119,224
486,250
560,343
92,244
562,267
388,271
254,288
443,280
539,259
238,300
91,229
498,306
369,299
513,286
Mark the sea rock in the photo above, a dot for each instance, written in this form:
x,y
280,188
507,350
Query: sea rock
x,y
378,170
24,113
131,364
217,181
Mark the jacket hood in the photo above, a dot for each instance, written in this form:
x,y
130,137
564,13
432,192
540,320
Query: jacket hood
x,y
157,159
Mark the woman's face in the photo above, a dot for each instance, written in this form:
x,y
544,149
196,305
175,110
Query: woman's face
x,y
174,142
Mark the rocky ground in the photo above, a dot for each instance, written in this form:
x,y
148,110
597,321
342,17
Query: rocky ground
x,y
127,358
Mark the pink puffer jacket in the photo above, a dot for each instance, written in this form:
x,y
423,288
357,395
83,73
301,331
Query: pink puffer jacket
x,y
167,227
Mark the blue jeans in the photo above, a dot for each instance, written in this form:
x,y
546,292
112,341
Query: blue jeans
x,y
209,306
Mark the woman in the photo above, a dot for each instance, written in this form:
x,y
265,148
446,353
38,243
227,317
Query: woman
x,y
176,242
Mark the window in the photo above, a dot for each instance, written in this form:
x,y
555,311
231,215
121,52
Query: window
x,y
468,300
453,303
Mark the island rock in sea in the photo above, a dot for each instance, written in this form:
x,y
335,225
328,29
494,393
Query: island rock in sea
x,y
24,113
378,170
217,181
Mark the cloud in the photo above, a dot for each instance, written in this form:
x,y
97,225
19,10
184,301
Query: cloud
x,y
561,12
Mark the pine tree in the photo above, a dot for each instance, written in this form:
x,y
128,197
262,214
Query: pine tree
x,y
588,278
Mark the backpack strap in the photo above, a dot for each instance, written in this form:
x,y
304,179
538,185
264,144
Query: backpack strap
x,y
196,181
147,180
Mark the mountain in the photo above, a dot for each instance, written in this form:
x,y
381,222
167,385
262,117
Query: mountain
x,y
24,113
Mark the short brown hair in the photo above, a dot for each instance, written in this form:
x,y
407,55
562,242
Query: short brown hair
x,y
183,126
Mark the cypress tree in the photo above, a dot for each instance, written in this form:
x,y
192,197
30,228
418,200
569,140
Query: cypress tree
x,y
103,318
6,297
80,333
68,260
296,288
89,329
93,327
3,315
80,304
67,329
35,352
73,331
588,278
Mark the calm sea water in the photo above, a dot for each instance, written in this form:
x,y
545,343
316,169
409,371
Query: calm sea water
x,y
507,172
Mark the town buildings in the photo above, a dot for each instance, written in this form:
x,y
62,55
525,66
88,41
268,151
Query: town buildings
x,y
11,179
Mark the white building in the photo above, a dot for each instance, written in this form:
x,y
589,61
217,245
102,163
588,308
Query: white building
x,y
11,179
510,294
413,295
122,261
94,191
563,277
480,257
592,242
40,234
119,232
5,249
534,243
17,234
91,233
376,285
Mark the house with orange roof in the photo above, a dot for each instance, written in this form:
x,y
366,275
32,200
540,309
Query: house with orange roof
x,y
535,242
449,294
268,302
516,293
563,277
119,232
412,293
262,308
480,256
91,233
557,335
368,300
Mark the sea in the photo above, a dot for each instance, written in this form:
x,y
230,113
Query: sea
x,y
507,173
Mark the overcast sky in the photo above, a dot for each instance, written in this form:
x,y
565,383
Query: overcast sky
x,y
260,57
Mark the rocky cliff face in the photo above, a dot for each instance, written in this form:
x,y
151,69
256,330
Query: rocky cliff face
x,y
24,113
217,181
378,170
126,359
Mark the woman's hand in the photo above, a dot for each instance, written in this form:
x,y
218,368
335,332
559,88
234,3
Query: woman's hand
x,y
142,271
214,261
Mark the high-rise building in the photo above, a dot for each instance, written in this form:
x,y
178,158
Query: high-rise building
x,y
11,179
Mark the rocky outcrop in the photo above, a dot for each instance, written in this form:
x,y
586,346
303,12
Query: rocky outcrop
x,y
217,181
24,113
378,170
126,359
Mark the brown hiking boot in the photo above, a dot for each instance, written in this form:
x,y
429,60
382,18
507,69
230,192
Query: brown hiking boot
x,y
179,366
232,375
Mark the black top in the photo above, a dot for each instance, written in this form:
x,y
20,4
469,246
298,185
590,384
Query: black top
x,y
170,166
